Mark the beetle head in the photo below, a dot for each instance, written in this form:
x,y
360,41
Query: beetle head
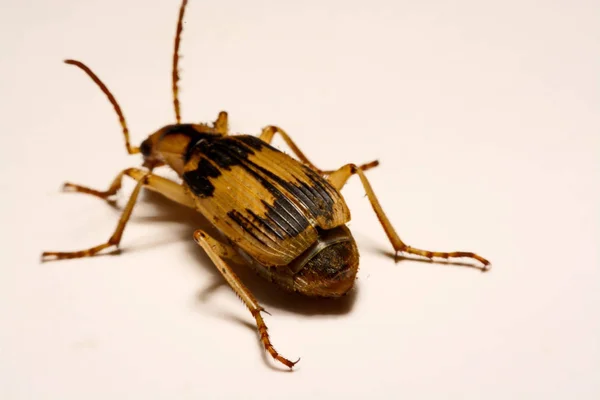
x,y
171,144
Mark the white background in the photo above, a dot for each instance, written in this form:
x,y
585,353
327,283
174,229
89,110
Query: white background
x,y
484,115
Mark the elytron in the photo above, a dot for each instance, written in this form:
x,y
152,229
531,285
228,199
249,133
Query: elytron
x,y
281,216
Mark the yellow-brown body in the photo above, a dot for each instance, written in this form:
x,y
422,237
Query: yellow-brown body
x,y
282,214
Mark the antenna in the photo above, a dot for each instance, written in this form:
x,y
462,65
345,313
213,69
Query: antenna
x,y
111,98
176,62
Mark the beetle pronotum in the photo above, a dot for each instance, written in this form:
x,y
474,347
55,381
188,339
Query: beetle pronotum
x,y
284,217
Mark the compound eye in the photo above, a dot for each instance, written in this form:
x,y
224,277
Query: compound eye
x,y
146,148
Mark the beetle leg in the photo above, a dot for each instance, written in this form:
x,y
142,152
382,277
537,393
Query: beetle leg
x,y
166,187
339,178
217,251
114,240
154,182
270,131
221,124
112,190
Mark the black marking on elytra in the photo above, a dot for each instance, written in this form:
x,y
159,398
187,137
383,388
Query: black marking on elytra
x,y
229,153
254,142
225,152
287,217
267,224
198,179
321,189
193,143
246,225
316,198
283,217
294,190
282,212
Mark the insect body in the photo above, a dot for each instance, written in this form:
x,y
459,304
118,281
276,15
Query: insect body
x,y
282,216
268,204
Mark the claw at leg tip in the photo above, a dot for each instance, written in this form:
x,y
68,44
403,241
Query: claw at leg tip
x,y
294,363
46,256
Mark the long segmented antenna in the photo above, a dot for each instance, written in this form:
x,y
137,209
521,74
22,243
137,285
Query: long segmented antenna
x,y
111,98
176,62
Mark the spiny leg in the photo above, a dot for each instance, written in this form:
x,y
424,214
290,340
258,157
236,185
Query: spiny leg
x,y
338,180
112,190
270,131
114,240
217,251
166,187
113,101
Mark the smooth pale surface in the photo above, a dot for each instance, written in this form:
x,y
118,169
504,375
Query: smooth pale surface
x,y
485,118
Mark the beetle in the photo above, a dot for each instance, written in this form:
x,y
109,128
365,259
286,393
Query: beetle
x,y
282,216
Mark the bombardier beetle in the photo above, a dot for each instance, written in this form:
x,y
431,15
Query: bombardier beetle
x,y
282,216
